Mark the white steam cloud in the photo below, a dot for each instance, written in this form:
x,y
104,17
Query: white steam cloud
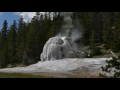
x,y
75,35
67,26
26,15
71,29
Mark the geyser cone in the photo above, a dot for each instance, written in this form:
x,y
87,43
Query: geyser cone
x,y
58,48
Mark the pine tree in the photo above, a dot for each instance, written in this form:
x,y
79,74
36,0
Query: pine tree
x,y
4,32
19,40
86,19
4,45
108,32
34,38
0,48
115,32
12,43
111,69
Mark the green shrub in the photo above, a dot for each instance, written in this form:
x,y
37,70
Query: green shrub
x,y
96,51
112,69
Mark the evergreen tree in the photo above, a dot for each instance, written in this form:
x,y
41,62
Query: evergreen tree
x,y
4,32
0,48
112,69
108,31
33,38
115,28
4,45
12,43
20,40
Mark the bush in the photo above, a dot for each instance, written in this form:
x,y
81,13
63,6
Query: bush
x,y
112,69
96,51
106,46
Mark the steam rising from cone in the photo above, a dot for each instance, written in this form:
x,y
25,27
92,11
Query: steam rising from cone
x,y
64,44
67,23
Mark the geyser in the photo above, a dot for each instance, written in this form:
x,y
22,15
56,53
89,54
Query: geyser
x,y
59,48
63,45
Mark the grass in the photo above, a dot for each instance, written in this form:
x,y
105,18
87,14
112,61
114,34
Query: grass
x,y
46,75
21,75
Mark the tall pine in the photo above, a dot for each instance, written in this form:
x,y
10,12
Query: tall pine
x,y
4,45
12,43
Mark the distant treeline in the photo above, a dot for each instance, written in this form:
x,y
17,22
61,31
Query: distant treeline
x,y
22,43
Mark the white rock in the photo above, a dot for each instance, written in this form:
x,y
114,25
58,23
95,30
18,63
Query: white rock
x,y
58,48
61,66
